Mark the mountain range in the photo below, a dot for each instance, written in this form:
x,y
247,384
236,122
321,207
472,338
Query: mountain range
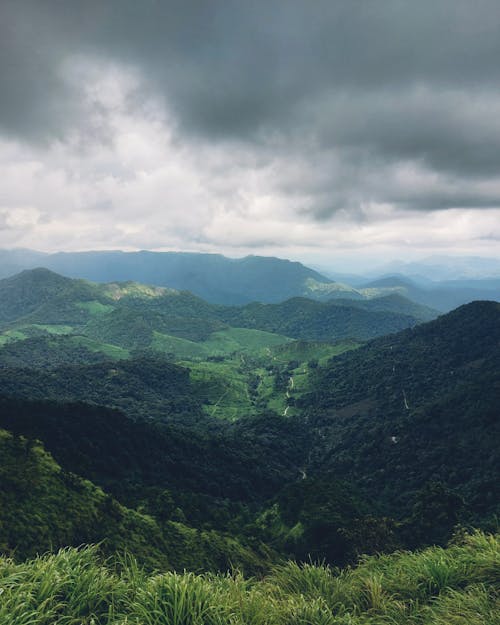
x,y
221,280
266,430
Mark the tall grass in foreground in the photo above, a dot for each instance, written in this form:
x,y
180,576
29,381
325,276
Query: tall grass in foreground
x,y
459,585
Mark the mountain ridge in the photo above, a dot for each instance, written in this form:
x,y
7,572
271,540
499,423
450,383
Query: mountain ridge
x,y
422,402
238,281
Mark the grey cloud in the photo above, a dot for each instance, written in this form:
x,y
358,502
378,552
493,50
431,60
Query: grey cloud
x,y
452,131
232,65
374,82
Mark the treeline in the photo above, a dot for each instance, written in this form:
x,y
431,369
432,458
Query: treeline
x,y
147,387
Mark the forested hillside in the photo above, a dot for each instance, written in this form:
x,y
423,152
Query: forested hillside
x,y
418,406
44,507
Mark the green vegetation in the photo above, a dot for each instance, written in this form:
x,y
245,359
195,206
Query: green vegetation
x,y
222,388
227,342
45,507
50,352
51,322
177,348
142,387
454,586
110,351
58,330
243,340
310,320
414,408
307,351
94,307
206,437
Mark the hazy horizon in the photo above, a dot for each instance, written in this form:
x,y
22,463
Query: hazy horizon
x,y
474,267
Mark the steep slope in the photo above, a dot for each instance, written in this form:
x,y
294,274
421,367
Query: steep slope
x,y
43,507
416,406
242,479
248,462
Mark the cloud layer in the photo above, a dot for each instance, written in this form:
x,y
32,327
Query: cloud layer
x,y
298,128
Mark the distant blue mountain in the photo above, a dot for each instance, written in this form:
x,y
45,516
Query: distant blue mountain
x,y
213,277
228,281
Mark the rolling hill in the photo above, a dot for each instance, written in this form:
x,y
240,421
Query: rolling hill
x,y
135,316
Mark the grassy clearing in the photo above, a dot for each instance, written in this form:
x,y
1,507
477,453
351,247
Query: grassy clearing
x,y
13,335
455,586
36,329
222,388
304,351
181,349
112,351
94,307
226,387
56,330
243,340
223,343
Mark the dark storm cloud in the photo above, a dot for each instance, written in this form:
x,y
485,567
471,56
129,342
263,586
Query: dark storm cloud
x,y
376,83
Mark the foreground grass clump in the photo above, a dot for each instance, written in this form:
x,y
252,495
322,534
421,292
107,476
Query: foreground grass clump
x,y
459,585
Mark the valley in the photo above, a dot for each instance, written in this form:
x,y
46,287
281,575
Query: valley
x,y
237,360
200,437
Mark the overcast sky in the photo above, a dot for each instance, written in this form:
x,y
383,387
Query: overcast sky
x,y
313,130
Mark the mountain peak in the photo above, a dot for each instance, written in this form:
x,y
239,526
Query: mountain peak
x,y
36,278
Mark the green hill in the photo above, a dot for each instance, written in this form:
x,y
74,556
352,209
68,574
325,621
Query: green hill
x,y
310,320
56,323
25,293
127,314
415,407
43,507
279,428
49,351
